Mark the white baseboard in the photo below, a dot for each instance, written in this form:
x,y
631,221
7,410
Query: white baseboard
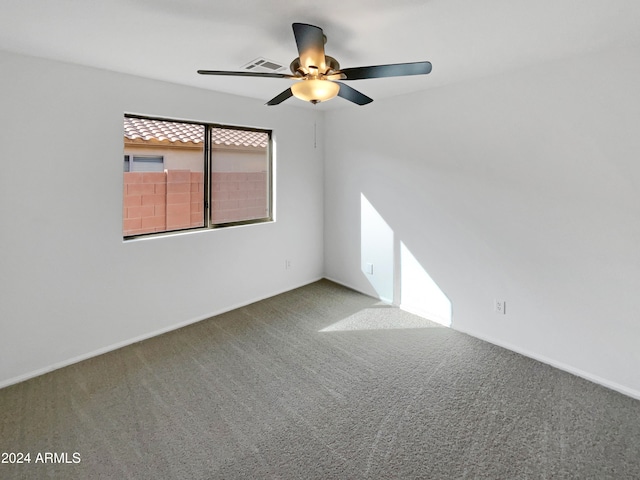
x,y
562,366
131,341
356,289
629,392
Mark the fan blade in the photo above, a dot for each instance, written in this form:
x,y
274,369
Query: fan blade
x,y
380,71
335,76
280,98
245,74
353,95
310,42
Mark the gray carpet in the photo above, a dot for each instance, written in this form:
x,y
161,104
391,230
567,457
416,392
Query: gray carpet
x,y
264,392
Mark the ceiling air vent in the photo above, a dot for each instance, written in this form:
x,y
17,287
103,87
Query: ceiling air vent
x,y
263,65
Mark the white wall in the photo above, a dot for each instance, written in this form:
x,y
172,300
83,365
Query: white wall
x,y
523,187
70,286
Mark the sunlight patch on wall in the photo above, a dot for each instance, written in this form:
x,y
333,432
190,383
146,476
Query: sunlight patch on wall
x,y
419,293
376,250
396,275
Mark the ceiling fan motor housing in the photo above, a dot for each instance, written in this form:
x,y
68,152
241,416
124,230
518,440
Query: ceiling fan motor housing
x,y
331,63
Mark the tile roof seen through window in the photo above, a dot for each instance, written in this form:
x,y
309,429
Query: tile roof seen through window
x,y
161,131
240,138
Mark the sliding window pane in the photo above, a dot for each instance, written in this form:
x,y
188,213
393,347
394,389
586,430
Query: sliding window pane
x,y
164,176
240,178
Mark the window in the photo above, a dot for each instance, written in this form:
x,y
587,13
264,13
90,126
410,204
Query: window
x,y
239,175
184,175
143,164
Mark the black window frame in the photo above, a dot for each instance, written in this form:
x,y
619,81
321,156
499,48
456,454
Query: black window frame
x,y
207,162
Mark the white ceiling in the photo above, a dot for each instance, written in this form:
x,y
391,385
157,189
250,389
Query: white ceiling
x,y
170,39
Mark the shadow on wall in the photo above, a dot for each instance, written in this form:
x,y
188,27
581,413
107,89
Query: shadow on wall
x,y
395,273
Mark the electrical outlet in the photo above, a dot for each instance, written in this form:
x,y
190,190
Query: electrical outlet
x,y
287,264
500,307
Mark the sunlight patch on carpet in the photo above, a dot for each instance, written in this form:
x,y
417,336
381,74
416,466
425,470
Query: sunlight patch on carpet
x,y
382,317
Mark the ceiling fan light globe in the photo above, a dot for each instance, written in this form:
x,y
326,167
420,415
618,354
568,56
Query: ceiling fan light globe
x,y
315,90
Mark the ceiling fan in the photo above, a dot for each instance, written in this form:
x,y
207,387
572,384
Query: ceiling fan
x,y
316,75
